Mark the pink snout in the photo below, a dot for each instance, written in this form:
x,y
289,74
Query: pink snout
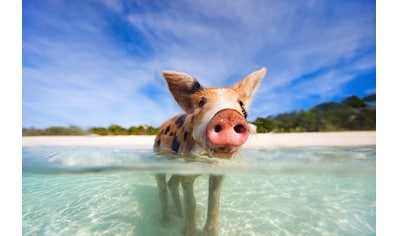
x,y
228,128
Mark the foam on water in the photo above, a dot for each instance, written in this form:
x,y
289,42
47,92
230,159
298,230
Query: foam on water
x,y
284,191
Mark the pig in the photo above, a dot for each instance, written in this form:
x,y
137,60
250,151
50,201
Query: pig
x,y
213,123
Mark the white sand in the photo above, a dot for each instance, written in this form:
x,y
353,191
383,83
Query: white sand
x,y
353,138
255,141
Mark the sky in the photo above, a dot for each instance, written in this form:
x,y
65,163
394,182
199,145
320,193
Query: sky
x,y
99,62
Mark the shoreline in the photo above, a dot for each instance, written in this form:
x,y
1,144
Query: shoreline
x,y
255,141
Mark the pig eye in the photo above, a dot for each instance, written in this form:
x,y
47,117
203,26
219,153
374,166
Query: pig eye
x,y
202,102
243,109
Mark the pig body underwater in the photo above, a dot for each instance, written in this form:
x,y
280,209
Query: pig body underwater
x,y
214,122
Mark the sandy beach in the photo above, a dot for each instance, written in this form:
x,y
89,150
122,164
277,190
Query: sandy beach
x,y
269,140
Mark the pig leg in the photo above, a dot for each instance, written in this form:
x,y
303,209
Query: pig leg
x,y
212,224
163,197
173,185
189,205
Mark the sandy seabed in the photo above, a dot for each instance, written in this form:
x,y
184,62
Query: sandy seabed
x,y
269,140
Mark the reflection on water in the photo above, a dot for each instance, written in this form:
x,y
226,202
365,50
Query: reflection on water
x,y
291,191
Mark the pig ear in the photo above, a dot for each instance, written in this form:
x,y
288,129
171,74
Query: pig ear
x,y
247,86
182,86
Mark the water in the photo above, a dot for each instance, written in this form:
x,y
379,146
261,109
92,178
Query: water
x,y
280,191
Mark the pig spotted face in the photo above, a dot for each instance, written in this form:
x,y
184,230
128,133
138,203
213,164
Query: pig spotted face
x,y
215,118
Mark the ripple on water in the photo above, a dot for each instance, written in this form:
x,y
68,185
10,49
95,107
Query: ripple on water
x,y
315,190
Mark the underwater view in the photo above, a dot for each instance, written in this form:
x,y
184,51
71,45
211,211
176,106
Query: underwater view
x,y
75,190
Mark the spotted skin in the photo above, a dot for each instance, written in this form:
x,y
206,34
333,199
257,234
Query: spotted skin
x,y
175,135
214,122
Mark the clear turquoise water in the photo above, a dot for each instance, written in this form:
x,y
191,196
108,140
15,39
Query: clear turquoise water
x,y
281,191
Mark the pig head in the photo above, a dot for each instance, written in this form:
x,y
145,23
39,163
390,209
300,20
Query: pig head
x,y
214,120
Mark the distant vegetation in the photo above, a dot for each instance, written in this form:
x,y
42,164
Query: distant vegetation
x,y
75,130
118,130
353,113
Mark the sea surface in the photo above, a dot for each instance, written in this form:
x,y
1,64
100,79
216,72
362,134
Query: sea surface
x,y
276,191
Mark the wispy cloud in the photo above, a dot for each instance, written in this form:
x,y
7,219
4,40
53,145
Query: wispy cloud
x,y
99,62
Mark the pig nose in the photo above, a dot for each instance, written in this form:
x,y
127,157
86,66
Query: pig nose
x,y
227,128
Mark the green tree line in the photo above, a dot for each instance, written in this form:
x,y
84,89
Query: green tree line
x,y
75,130
353,113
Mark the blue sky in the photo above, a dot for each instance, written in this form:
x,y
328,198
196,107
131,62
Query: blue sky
x,y
99,62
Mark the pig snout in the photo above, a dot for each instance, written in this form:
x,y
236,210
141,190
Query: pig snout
x,y
228,128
